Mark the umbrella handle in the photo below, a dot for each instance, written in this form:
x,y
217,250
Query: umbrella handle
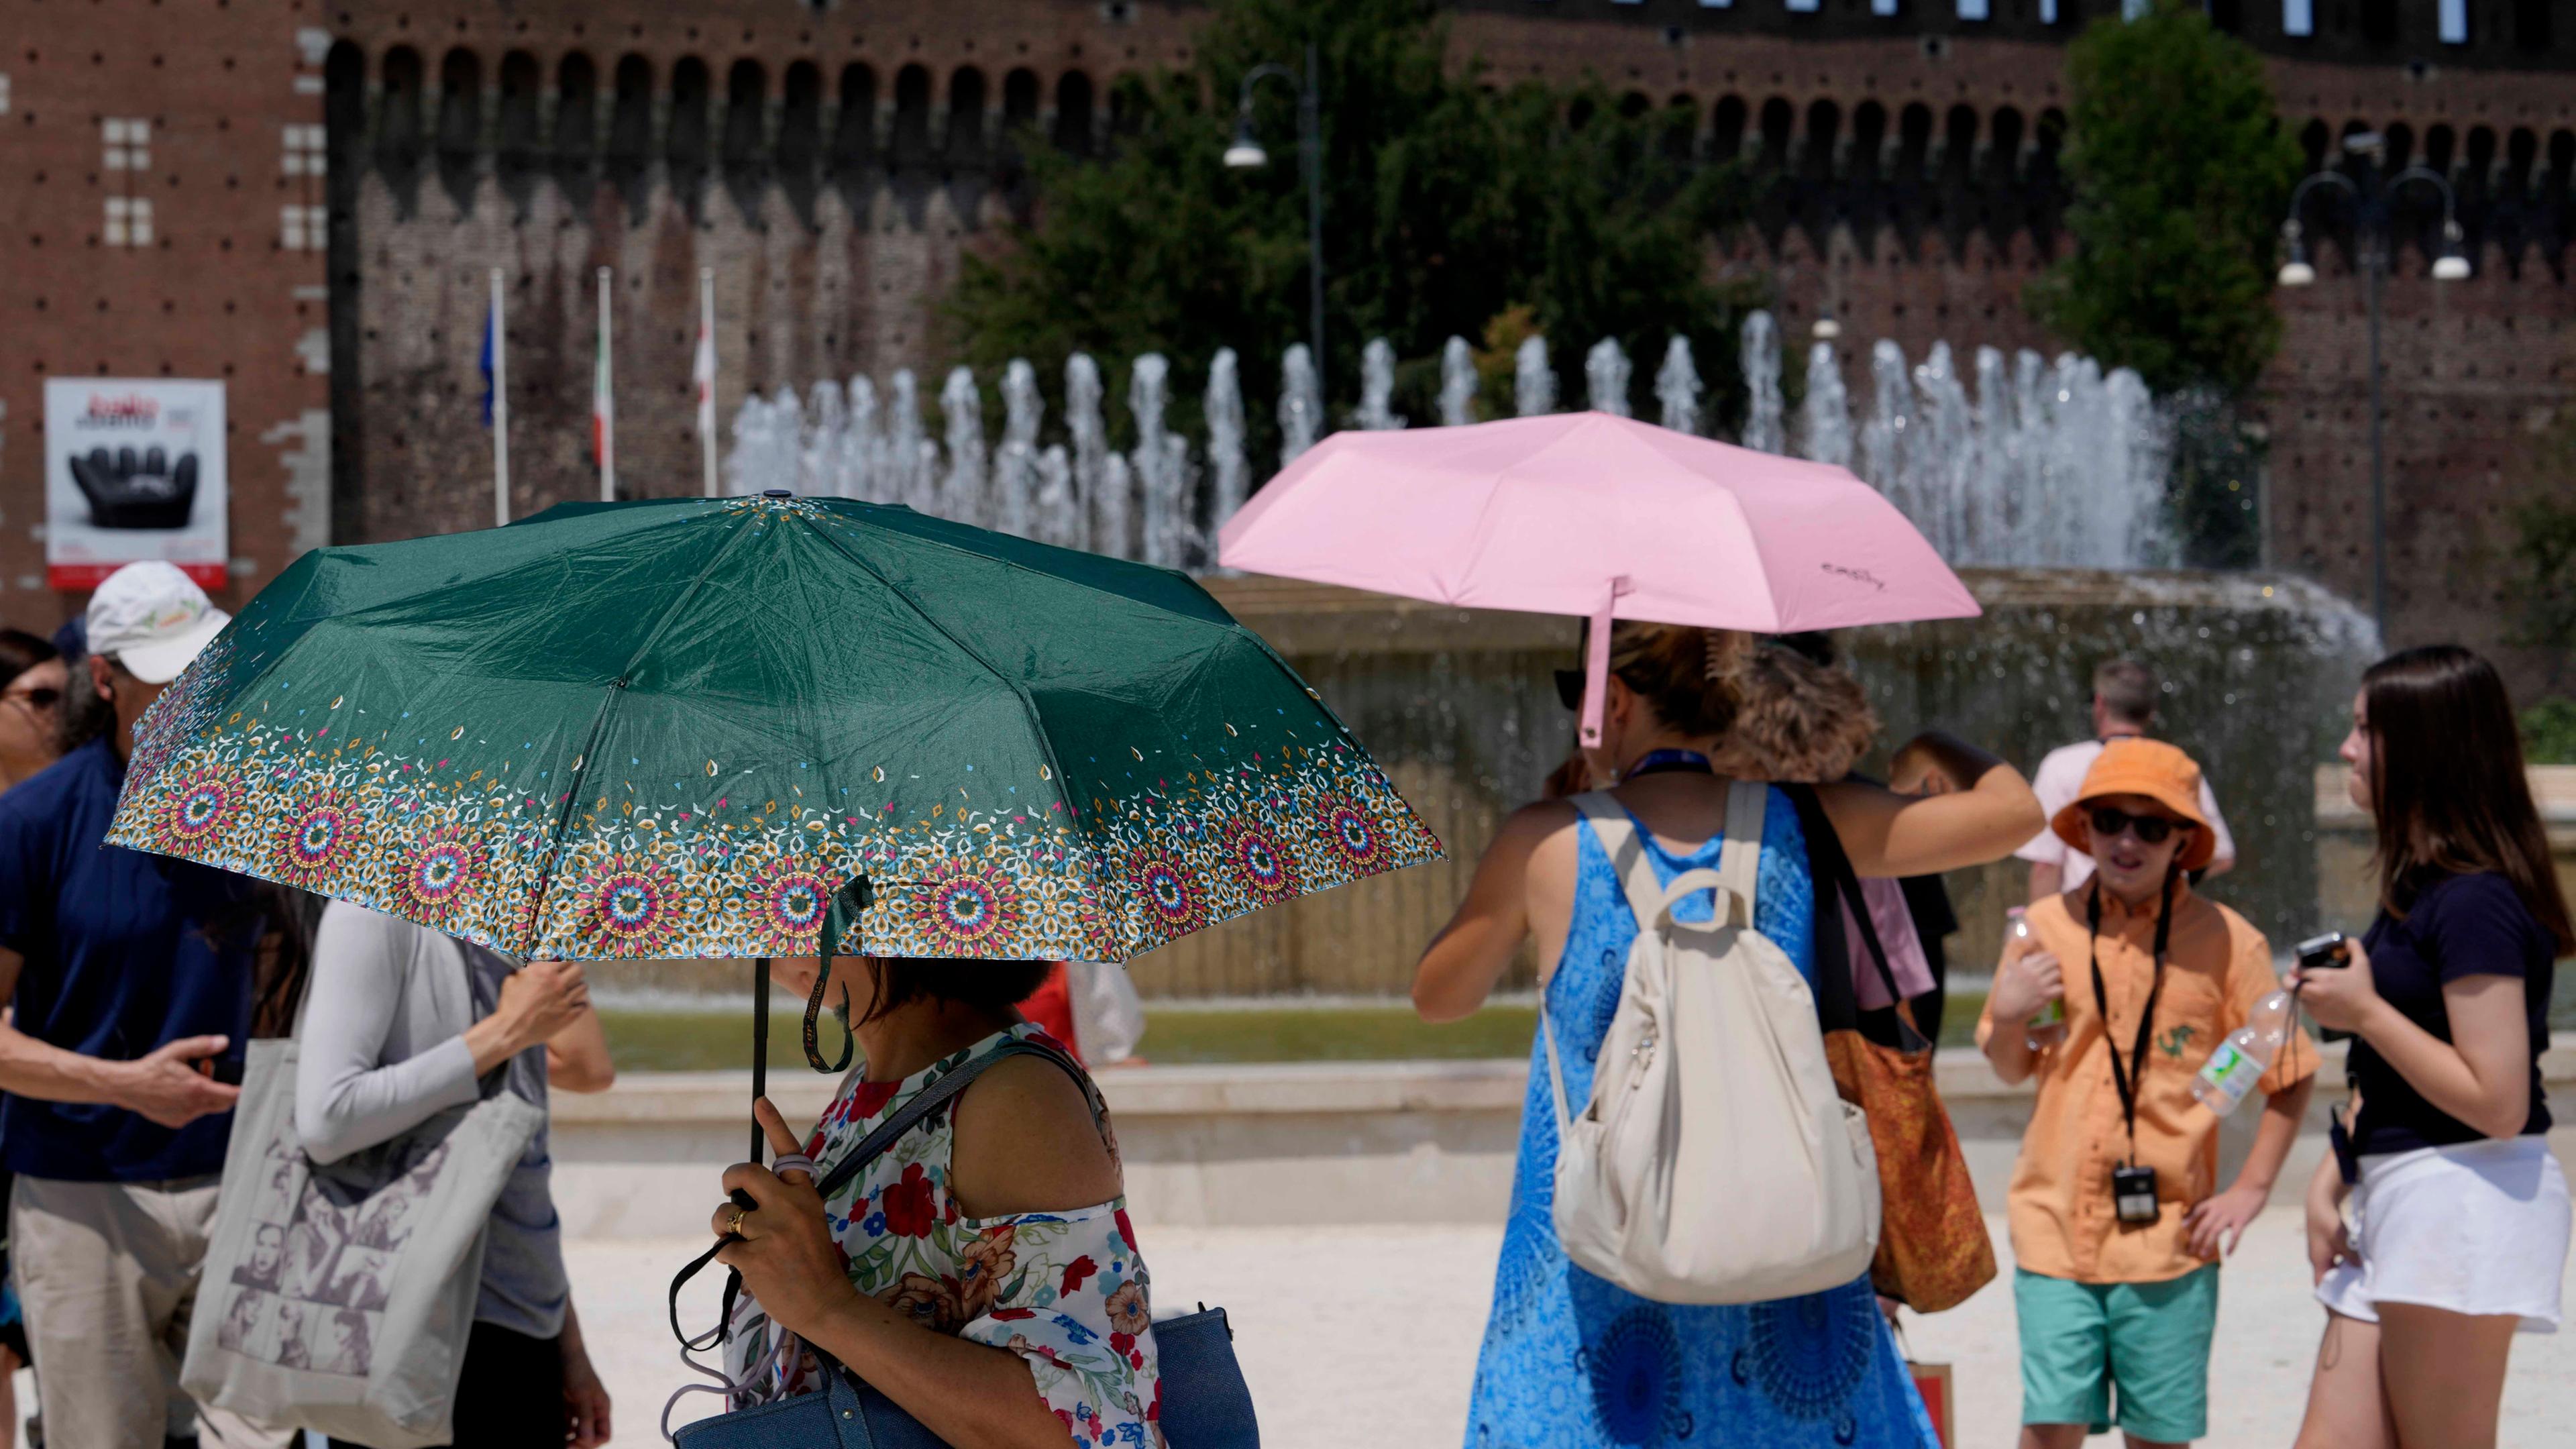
x,y
1596,663
759,1051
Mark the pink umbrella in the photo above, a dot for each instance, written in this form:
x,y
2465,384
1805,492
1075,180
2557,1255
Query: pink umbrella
x,y
1600,517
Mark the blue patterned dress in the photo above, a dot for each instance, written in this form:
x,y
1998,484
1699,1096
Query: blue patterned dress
x,y
1571,1360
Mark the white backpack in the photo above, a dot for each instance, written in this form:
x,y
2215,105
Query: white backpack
x,y
1715,1162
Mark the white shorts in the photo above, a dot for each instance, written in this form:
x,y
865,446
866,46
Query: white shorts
x,y
2480,1228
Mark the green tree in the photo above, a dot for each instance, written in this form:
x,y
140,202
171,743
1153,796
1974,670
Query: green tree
x,y
1446,205
2543,588
2180,169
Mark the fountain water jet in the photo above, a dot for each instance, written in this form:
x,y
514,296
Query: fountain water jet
x,y
1015,466
1457,384
1533,381
1301,403
1759,344
1677,386
1605,376
962,496
1826,415
1230,478
1377,385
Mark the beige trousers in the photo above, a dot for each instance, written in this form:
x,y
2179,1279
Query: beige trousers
x,y
107,1274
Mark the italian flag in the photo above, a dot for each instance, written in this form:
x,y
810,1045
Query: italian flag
x,y
703,370
603,408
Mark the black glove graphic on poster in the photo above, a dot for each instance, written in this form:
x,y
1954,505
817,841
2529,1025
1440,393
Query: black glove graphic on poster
x,y
130,490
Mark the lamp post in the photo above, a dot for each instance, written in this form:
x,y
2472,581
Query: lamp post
x,y
1246,153
2374,232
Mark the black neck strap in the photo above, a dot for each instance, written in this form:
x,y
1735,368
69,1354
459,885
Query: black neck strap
x,y
1667,762
2129,1076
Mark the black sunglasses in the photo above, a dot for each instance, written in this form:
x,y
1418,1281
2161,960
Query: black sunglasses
x,y
1569,688
39,698
2150,829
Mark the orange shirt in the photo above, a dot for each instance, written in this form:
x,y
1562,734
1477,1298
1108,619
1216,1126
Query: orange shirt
x,y
2217,967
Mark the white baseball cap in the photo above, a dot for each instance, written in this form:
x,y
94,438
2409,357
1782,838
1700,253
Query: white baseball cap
x,y
153,619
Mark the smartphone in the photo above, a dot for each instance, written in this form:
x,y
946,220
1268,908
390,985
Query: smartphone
x,y
2321,951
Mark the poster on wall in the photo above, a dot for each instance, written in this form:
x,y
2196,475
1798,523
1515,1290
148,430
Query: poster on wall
x,y
134,469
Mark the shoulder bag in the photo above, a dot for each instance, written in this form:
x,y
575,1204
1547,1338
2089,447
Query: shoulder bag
x,y
337,1297
1933,1250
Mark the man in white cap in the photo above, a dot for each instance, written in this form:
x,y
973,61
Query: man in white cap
x,y
129,979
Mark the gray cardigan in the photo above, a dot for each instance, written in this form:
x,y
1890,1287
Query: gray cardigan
x,y
381,1049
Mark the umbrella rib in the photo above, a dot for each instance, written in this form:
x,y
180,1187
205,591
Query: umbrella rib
x,y
1037,727
599,724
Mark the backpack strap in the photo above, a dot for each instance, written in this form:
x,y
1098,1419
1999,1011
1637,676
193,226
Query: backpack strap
x,y
1739,861
1622,841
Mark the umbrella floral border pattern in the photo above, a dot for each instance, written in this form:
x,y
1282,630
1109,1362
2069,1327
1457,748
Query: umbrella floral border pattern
x,y
436,823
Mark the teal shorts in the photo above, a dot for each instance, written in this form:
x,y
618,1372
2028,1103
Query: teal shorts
x,y
2151,1339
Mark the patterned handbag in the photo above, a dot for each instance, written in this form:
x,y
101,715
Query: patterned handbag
x,y
1933,1250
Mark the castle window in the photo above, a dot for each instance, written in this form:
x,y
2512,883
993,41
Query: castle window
x,y
129,221
1973,9
2455,22
2298,17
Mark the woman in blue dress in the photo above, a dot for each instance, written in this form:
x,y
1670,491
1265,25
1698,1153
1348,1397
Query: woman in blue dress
x,y
1569,1359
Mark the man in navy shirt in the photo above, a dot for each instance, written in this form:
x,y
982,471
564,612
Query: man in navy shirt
x,y
126,975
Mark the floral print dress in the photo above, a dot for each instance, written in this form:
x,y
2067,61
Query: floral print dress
x,y
1065,1291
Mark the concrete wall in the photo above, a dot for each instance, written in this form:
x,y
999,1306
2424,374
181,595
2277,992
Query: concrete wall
x,y
1302,1143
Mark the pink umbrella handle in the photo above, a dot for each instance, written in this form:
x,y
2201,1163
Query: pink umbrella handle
x,y
1596,664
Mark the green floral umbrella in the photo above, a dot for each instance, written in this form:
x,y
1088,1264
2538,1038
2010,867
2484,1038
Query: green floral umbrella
x,y
682,728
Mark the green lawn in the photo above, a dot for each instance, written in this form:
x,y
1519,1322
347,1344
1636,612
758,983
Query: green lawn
x,y
683,1041
687,1041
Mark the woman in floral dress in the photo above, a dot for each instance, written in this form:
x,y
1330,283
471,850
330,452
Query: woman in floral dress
x,y
981,1272
1571,1360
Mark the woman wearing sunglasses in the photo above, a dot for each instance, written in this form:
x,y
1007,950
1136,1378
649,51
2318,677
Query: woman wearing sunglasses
x,y
35,675
2117,1220
2442,1231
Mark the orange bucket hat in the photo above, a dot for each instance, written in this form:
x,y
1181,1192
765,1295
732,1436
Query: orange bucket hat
x,y
2143,767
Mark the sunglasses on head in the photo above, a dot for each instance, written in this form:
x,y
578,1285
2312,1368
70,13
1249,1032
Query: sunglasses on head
x,y
2150,829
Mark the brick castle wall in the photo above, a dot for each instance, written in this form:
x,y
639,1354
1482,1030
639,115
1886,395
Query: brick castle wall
x,y
833,163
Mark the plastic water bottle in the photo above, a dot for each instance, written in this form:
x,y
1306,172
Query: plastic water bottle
x,y
2048,1028
2242,1059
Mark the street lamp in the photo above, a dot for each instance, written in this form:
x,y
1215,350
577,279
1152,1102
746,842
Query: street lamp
x,y
2374,231
1246,153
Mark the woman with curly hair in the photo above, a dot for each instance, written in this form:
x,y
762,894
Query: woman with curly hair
x,y
1569,1358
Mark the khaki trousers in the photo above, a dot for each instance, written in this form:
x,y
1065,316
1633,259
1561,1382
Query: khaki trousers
x,y
107,1275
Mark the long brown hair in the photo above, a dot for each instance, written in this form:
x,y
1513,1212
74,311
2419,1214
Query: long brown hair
x,y
2447,781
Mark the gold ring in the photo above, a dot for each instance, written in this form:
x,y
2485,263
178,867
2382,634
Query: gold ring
x,y
733,1225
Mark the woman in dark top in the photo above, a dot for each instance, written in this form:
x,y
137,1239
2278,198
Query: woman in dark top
x,y
2454,1236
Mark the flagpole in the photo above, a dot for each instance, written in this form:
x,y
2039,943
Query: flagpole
x,y
605,405
500,409
707,398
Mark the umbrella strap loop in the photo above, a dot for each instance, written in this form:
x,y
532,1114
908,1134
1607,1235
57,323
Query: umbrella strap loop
x,y
813,1015
840,930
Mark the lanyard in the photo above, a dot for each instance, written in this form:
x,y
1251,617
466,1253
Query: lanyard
x,y
1659,762
2130,1077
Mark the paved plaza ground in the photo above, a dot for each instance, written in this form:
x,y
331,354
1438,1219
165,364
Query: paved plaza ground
x,y
1355,1338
